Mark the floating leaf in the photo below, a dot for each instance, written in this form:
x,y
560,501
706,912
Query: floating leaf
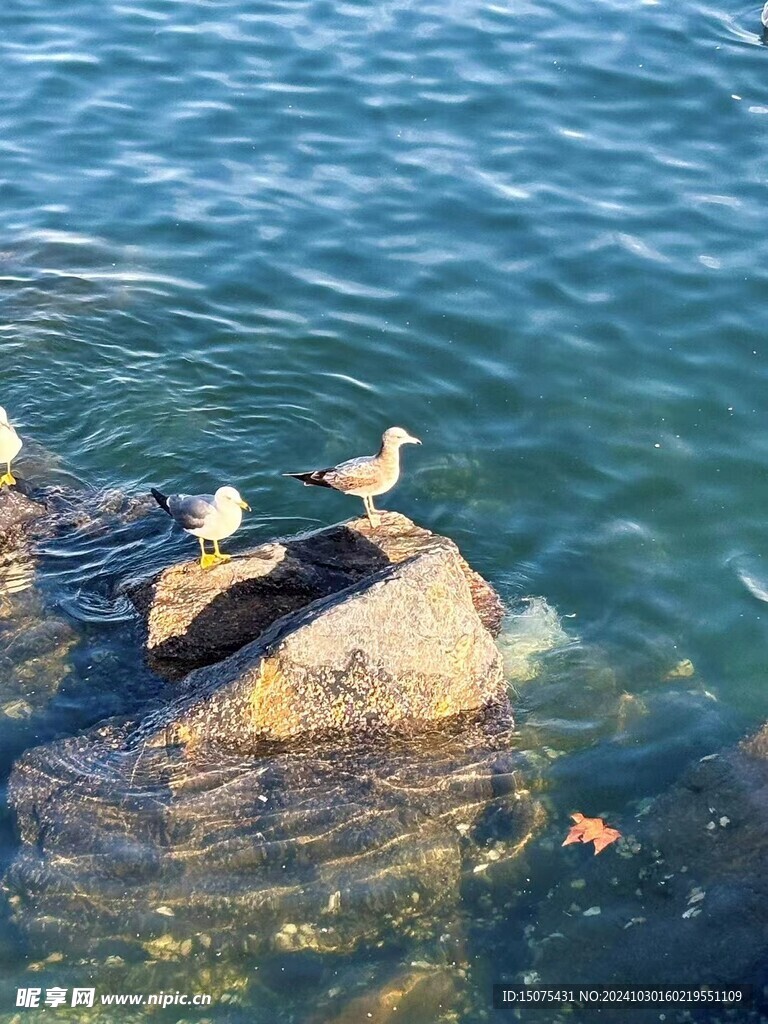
x,y
591,830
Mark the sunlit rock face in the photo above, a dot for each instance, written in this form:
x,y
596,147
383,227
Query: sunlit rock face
x,y
194,618
383,636
150,852
695,860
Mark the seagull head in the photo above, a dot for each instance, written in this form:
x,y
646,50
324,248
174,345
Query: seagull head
x,y
397,436
224,495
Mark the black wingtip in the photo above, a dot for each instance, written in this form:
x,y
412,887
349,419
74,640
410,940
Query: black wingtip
x,y
315,478
161,499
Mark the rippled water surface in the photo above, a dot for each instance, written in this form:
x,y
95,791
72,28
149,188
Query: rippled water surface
x,y
239,239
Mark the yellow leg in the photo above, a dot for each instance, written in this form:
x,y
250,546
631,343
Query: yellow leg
x,y
206,561
218,556
8,478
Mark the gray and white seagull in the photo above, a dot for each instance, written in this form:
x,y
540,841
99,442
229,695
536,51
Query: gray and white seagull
x,y
207,517
365,477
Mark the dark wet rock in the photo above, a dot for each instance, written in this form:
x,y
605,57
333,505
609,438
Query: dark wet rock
x,y
30,513
155,854
400,650
17,513
689,878
194,618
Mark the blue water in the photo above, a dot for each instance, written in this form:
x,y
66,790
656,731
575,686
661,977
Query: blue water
x,y
239,239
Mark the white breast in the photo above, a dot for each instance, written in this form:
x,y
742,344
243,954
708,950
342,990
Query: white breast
x,y
10,443
224,523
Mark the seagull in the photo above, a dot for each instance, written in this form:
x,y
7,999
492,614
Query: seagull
x,y
367,476
764,16
10,446
207,517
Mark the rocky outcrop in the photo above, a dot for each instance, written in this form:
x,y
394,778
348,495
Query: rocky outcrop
x,y
401,650
194,618
155,854
156,839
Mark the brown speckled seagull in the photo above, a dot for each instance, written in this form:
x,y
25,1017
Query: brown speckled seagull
x,y
367,476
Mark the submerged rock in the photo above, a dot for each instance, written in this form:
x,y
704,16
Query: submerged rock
x,y
690,881
424,993
137,849
32,513
152,853
194,618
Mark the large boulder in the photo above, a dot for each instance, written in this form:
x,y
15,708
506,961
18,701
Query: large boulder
x,y
193,618
396,652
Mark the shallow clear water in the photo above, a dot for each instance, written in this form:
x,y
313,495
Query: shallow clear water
x,y
239,239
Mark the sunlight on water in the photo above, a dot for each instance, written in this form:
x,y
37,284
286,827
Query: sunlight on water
x,y
238,242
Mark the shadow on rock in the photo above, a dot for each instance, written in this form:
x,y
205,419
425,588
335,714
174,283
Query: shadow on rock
x,y
401,647
194,618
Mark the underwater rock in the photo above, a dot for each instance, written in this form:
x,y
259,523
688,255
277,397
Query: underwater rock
x,y
29,513
35,648
400,650
425,993
684,895
149,852
194,618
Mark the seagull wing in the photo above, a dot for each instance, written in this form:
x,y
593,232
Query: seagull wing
x,y
191,510
354,473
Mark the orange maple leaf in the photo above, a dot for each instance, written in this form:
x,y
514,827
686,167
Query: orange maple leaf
x,y
591,830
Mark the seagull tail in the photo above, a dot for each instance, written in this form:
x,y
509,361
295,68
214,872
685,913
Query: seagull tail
x,y
316,478
161,499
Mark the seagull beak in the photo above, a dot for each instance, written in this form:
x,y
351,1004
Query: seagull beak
x,y
412,440
245,505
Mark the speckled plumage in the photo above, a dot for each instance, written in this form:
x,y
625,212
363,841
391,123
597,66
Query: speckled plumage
x,y
367,476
